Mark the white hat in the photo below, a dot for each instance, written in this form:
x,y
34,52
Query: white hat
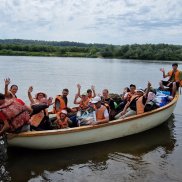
x,y
64,112
96,99
140,90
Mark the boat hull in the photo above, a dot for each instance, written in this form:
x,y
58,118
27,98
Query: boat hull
x,y
54,139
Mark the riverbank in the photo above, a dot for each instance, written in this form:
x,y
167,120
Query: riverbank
x,y
14,47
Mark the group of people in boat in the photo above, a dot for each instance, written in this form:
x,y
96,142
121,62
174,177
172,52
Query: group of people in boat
x,y
91,109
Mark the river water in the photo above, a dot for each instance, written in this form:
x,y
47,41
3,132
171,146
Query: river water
x,y
154,155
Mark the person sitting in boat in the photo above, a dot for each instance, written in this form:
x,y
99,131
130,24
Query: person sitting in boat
x,y
39,121
136,104
90,92
126,96
83,102
109,103
15,114
174,81
63,121
11,93
102,114
151,101
60,102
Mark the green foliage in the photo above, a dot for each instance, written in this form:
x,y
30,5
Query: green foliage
x,y
72,49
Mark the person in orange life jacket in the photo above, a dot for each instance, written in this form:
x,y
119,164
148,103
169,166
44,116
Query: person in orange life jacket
x,y
90,92
61,102
129,94
15,114
109,103
39,121
83,103
174,80
136,104
12,91
102,114
63,121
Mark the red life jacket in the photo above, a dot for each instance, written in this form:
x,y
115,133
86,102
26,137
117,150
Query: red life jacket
x,y
16,113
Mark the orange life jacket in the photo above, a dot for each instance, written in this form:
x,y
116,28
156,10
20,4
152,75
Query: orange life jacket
x,y
63,124
16,114
100,113
59,104
36,119
84,104
175,76
139,104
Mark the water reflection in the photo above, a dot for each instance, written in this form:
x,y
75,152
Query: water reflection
x,y
129,153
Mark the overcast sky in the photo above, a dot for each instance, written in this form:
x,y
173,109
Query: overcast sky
x,y
93,21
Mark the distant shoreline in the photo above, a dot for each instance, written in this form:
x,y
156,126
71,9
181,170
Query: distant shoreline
x,y
161,52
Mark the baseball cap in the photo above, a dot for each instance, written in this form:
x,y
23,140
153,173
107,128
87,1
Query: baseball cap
x,y
96,99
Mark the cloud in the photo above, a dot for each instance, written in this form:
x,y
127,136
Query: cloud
x,y
105,21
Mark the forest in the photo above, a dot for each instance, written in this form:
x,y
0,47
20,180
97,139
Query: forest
x,y
20,47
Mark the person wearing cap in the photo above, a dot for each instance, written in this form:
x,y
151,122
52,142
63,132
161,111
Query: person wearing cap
x,y
62,120
83,102
102,115
90,92
174,81
136,104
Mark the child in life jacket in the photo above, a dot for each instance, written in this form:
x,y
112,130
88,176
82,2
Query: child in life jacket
x,y
62,120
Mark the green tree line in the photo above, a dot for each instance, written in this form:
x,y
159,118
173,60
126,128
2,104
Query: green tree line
x,y
74,49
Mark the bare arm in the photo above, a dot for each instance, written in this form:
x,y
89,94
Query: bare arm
x,y
93,90
75,100
106,120
163,72
125,108
7,82
148,89
79,90
30,95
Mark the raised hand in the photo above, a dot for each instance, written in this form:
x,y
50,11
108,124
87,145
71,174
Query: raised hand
x,y
162,70
78,86
149,84
7,81
93,87
30,89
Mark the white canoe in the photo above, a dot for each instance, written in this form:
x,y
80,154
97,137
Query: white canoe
x,y
54,139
